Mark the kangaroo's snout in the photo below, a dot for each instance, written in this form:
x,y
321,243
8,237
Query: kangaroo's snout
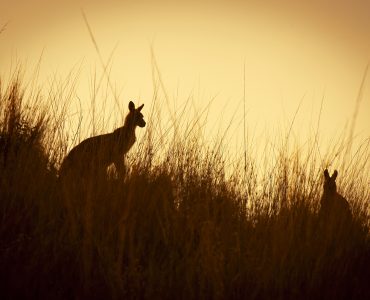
x,y
142,123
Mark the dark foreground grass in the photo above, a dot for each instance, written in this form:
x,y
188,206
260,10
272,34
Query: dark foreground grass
x,y
174,228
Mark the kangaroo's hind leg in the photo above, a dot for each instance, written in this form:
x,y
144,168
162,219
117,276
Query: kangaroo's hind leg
x,y
120,167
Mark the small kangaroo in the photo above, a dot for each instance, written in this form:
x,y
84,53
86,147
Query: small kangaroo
x,y
332,203
92,156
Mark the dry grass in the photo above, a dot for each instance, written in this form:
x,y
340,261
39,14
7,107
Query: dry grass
x,y
181,225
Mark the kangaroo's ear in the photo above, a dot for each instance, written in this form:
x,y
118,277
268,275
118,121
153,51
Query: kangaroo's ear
x,y
140,107
131,106
326,174
335,174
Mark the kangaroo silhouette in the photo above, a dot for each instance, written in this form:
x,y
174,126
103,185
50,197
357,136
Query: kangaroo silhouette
x,y
91,158
332,203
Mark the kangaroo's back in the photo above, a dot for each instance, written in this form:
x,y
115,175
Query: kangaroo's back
x,y
92,152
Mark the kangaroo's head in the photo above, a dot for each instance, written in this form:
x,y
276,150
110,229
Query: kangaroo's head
x,y
135,117
330,187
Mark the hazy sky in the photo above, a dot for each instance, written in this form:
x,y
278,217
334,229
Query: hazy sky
x,y
290,49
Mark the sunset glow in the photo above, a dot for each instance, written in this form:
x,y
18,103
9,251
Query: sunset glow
x,y
289,51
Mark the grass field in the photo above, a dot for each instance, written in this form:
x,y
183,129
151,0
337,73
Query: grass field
x,y
183,224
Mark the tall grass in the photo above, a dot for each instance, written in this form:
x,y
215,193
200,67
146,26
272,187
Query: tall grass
x,y
182,224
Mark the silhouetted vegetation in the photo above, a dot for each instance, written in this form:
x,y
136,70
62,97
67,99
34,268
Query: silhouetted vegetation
x,y
179,226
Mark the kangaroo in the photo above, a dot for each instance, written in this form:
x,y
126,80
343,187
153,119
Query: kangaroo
x,y
332,203
91,158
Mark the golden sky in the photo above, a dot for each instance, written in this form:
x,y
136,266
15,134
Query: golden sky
x,y
290,50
